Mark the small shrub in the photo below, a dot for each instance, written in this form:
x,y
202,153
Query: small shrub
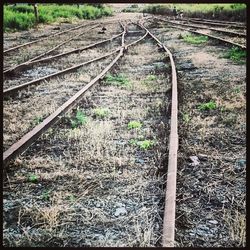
x,y
134,124
80,119
144,144
118,80
186,118
207,106
101,112
46,195
236,54
32,178
71,198
195,39
38,119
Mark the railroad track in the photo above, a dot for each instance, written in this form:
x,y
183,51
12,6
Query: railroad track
x,y
230,42
133,33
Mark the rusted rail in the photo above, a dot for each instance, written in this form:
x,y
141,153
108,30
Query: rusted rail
x,y
204,34
240,24
213,23
15,89
23,65
169,213
213,29
21,145
42,39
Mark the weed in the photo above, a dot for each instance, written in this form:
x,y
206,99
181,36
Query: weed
x,y
236,54
134,124
236,90
118,80
195,39
80,119
21,17
37,120
149,79
186,118
145,144
33,178
207,106
71,198
46,195
101,112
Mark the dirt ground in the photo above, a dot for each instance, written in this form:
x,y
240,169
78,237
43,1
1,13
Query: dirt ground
x,y
97,185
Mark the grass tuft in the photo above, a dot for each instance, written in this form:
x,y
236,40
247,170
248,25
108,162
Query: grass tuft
x,y
207,106
236,54
195,39
134,124
117,80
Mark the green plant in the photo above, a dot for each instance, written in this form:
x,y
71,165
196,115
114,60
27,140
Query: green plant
x,y
207,106
101,112
236,90
46,195
21,17
33,178
71,198
134,124
37,120
144,144
236,54
79,119
117,80
186,118
195,39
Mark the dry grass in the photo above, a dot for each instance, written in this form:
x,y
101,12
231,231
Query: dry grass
x,y
101,190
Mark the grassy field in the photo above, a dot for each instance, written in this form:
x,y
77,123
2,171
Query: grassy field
x,y
21,16
233,12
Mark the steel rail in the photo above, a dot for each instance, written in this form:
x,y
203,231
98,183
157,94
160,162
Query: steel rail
x,y
42,39
13,90
21,145
204,34
61,44
56,34
170,203
22,65
214,29
213,23
240,24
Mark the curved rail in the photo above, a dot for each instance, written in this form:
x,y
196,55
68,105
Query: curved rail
x,y
28,63
220,24
13,90
169,212
39,40
22,144
204,34
240,24
214,29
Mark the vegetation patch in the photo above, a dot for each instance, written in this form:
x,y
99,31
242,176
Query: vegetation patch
x,y
134,124
195,39
33,178
117,80
21,16
79,119
232,12
236,54
207,106
144,144
101,112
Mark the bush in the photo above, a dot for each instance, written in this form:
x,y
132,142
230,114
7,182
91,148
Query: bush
x,y
21,17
